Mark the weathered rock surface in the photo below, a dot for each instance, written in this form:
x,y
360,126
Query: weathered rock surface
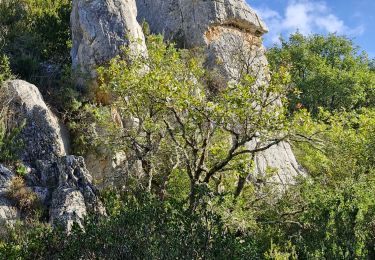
x,y
43,137
99,30
75,195
230,32
107,171
61,182
188,21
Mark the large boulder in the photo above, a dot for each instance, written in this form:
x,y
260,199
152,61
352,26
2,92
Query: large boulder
x,y
100,29
42,135
230,33
61,182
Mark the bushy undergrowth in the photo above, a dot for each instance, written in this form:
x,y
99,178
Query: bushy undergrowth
x,y
139,227
35,43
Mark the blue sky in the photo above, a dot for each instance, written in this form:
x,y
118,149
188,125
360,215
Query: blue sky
x,y
353,18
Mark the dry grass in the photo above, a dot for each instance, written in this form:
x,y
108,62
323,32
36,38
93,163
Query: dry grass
x,y
25,199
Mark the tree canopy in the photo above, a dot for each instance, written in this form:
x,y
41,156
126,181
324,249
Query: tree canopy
x,y
326,71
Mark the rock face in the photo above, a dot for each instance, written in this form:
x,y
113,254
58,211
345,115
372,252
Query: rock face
x,y
99,30
188,21
230,32
61,182
75,195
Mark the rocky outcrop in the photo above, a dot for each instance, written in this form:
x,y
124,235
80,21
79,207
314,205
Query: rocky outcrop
x,y
100,29
230,32
188,21
60,181
43,137
75,195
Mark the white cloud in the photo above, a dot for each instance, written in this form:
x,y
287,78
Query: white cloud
x,y
307,16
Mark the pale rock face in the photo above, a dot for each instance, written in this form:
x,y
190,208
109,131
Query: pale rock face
x,y
107,171
230,32
61,182
67,208
100,29
187,21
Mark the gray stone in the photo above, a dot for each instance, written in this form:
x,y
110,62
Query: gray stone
x,y
67,208
75,195
100,29
60,181
41,136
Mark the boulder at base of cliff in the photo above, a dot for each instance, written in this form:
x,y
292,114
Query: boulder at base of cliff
x,y
61,182
42,136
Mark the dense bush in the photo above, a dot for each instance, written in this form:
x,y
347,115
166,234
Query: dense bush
x,y
34,32
35,38
140,227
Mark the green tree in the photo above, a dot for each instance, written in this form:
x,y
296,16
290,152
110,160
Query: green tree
x,y
326,71
167,120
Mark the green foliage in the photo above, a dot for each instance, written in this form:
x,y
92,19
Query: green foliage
x,y
326,71
5,72
330,214
141,228
163,116
35,36
324,221
342,143
35,31
9,143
